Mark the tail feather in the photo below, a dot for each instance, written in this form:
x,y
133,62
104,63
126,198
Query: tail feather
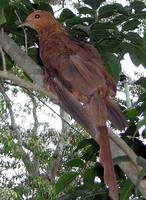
x,y
115,115
107,163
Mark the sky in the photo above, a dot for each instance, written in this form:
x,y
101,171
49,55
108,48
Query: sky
x,y
130,69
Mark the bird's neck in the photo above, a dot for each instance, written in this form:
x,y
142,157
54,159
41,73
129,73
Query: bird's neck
x,y
46,32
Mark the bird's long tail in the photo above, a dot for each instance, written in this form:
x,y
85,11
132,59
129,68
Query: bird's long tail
x,y
107,163
88,119
99,113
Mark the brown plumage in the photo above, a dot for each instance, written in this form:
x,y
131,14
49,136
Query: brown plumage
x,y
74,71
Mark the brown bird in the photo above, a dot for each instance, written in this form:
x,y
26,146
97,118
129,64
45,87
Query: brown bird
x,y
75,72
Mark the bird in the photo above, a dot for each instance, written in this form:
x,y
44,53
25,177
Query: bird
x,y
74,71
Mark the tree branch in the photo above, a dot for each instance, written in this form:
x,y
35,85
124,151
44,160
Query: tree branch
x,y
34,113
57,157
28,85
130,168
35,132
21,59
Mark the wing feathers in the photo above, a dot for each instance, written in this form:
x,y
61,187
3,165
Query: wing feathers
x,y
115,115
80,75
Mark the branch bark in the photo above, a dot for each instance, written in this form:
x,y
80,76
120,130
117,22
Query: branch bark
x,y
118,146
58,154
35,160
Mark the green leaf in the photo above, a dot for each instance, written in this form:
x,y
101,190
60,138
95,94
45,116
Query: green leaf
x,y
138,5
34,53
74,20
90,154
126,189
141,81
89,20
98,27
11,16
141,15
125,47
134,57
111,45
102,30
28,4
141,123
84,143
9,62
44,6
89,176
86,10
119,19
137,52
2,16
134,38
4,3
110,10
131,25
144,38
65,180
131,113
142,97
130,48
94,3
112,65
75,193
141,54
144,41
76,162
66,14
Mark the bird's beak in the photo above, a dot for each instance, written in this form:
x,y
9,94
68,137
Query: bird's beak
x,y
23,24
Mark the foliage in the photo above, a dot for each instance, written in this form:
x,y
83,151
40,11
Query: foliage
x,y
115,30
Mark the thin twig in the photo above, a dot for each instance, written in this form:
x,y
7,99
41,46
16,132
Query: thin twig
x,y
62,6
34,112
3,56
3,60
13,123
44,103
28,85
25,34
35,130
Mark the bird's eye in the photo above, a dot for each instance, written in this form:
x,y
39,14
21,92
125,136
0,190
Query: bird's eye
x,y
37,16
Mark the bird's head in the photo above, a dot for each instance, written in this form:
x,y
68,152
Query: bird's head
x,y
39,19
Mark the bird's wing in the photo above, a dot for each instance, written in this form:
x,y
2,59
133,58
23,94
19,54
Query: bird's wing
x,y
80,74
89,54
